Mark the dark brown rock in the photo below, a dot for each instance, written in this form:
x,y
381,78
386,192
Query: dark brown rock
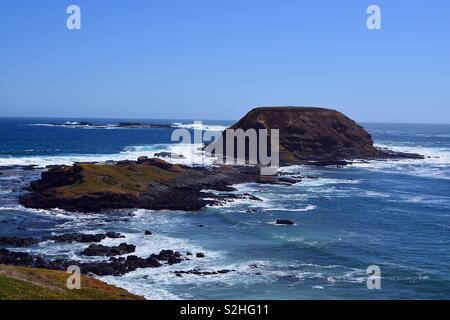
x,y
100,250
314,134
18,242
78,237
284,221
114,235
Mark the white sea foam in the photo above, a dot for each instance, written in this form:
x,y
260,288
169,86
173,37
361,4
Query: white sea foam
x,y
192,153
198,126
57,213
435,165
318,287
77,125
375,194
325,181
309,207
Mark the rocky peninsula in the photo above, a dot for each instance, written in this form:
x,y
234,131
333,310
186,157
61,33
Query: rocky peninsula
x,y
146,183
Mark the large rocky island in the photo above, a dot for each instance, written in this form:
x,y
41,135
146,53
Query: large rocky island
x,y
307,135
314,135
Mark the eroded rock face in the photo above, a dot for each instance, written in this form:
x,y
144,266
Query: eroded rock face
x,y
313,135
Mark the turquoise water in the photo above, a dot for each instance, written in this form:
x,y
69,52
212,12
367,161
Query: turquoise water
x,y
393,214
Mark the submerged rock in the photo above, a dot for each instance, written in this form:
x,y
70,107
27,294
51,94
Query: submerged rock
x,y
114,235
285,222
169,155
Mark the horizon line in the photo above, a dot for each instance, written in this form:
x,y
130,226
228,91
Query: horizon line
x,y
192,119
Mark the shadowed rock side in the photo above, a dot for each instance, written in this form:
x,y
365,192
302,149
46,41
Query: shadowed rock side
x,y
146,183
314,135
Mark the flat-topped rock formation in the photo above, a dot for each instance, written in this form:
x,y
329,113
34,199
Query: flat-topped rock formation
x,y
314,135
145,183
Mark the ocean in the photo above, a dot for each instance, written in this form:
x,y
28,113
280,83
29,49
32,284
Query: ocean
x,y
391,214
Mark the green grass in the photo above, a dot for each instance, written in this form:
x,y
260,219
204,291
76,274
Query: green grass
x,y
20,283
121,179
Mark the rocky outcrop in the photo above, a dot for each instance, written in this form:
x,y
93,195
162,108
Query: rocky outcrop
x,y
71,237
284,222
145,183
198,272
113,266
84,238
313,135
18,242
170,155
101,250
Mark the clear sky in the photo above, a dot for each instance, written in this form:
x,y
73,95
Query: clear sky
x,y
216,59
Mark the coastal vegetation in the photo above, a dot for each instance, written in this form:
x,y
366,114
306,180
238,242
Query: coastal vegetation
x,y
23,283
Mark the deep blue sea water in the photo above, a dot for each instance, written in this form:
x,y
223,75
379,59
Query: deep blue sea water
x,y
393,214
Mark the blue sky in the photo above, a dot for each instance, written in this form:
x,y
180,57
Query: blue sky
x,y
216,59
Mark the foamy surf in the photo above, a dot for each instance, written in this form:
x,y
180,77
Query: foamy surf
x,y
192,154
199,126
435,165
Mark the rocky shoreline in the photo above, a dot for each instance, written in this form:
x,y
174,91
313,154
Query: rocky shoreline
x,y
310,136
114,265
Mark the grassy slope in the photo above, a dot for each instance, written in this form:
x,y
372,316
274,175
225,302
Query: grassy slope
x,y
129,179
21,283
